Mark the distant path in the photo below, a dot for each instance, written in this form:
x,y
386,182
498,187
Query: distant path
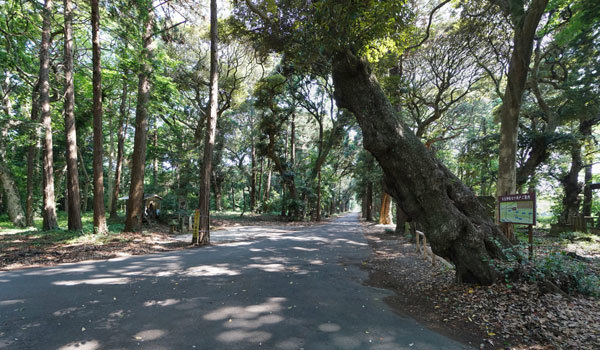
x,y
287,288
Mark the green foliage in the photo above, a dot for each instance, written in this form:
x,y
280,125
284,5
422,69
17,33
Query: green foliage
x,y
568,273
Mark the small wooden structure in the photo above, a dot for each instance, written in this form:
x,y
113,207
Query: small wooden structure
x,y
151,206
427,253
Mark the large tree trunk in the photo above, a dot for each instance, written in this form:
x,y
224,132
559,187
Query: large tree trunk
x,y
587,191
570,182
369,210
401,220
253,177
74,202
385,212
268,184
133,220
260,181
586,131
209,140
123,122
32,153
99,209
9,187
318,218
11,196
571,186
363,204
525,25
455,223
86,186
49,204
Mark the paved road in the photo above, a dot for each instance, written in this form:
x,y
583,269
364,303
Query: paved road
x,y
289,288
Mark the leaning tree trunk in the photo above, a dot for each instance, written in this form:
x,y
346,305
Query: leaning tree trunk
x,y
49,201
133,219
74,202
99,208
455,223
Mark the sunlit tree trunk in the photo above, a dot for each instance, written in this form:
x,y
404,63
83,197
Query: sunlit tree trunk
x,y
49,204
209,141
385,212
133,220
99,208
74,202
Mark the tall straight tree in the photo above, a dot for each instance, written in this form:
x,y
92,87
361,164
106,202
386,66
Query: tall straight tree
x,y
74,206
120,147
99,210
209,140
133,220
32,154
49,204
525,23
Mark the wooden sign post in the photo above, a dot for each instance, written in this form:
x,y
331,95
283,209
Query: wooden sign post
x,y
519,209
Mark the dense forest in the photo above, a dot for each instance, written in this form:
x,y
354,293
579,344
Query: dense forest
x,y
416,112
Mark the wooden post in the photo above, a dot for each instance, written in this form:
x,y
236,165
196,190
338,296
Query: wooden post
x,y
425,246
530,242
417,237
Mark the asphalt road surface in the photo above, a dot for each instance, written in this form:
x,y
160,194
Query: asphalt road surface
x,y
287,288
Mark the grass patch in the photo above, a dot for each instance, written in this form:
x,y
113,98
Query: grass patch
x,y
37,237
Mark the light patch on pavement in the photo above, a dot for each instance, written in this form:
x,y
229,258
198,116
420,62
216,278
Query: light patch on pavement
x,y
12,302
82,345
150,334
267,267
241,335
329,327
166,302
94,281
210,270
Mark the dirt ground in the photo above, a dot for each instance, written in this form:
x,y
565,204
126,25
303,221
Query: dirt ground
x,y
502,316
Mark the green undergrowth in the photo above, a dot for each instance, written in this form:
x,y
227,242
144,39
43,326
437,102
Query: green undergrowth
x,y
39,237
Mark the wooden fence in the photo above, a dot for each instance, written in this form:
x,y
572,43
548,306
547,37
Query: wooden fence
x,y
427,253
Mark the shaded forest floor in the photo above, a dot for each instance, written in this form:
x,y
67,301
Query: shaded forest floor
x,y
22,248
513,316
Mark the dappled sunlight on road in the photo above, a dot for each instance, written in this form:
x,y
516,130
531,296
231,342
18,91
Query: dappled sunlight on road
x,y
149,334
82,345
284,289
166,302
210,270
